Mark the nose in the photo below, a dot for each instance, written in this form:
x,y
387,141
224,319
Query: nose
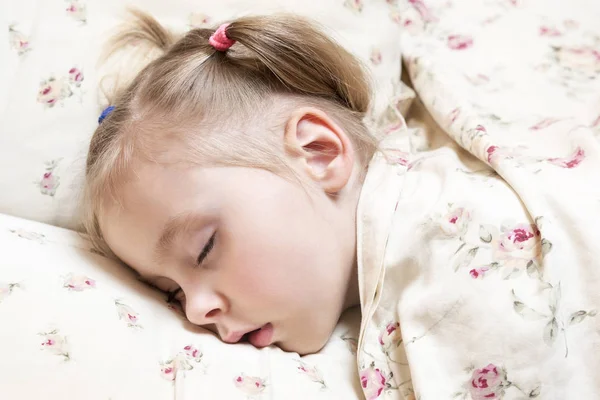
x,y
204,307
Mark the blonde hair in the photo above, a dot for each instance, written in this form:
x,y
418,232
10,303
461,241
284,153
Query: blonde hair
x,y
210,105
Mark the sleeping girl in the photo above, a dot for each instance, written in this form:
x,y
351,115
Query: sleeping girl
x,y
235,173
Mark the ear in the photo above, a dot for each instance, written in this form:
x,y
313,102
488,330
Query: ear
x,y
321,146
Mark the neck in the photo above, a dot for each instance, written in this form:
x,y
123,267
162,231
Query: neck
x,y
353,294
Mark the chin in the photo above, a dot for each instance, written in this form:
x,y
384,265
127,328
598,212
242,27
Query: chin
x,y
303,348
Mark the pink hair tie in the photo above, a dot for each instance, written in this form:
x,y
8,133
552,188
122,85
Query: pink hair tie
x,y
219,39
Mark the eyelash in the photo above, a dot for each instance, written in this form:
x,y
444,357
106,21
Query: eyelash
x,y
206,250
201,257
172,294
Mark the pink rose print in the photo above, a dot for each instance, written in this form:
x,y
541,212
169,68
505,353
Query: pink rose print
x,y
423,10
478,79
50,181
250,385
390,336
455,222
127,314
373,382
582,59
312,373
198,20
78,283
459,42
49,184
55,343
549,31
74,79
493,154
6,289
75,76
478,272
545,123
491,19
487,383
570,162
596,123
376,57
408,23
398,157
18,41
454,115
393,127
193,353
167,371
409,19
52,91
183,361
354,5
517,246
76,10
480,129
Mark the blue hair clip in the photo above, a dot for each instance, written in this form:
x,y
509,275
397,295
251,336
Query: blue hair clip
x,y
105,113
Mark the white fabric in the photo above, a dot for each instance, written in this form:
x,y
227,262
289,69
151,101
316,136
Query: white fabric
x,y
479,257
43,147
75,325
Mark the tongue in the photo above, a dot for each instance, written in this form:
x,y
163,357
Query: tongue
x,y
261,337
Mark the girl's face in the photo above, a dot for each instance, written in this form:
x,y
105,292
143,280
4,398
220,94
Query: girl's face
x,y
244,249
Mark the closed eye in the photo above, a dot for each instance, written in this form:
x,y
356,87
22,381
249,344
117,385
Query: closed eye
x,y
206,250
172,294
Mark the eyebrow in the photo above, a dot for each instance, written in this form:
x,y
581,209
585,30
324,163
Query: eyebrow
x,y
173,228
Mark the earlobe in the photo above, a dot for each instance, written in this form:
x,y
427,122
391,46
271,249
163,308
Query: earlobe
x,y
322,148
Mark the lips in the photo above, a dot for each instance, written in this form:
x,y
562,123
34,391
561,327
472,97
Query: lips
x,y
233,337
260,337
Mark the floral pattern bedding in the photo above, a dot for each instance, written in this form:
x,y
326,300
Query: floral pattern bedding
x,y
480,264
75,325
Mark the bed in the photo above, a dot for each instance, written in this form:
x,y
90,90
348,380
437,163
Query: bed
x,y
77,325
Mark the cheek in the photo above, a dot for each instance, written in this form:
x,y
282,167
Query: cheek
x,y
255,282
270,276
258,275
278,251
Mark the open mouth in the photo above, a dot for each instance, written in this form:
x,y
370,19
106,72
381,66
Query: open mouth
x,y
261,337
245,339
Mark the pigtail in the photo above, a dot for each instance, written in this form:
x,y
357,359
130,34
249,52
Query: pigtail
x,y
303,59
138,41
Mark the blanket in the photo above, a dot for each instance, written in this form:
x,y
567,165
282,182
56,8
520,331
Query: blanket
x,y
478,255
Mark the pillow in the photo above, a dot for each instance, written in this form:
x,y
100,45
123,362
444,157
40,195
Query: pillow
x,y
76,325
51,101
